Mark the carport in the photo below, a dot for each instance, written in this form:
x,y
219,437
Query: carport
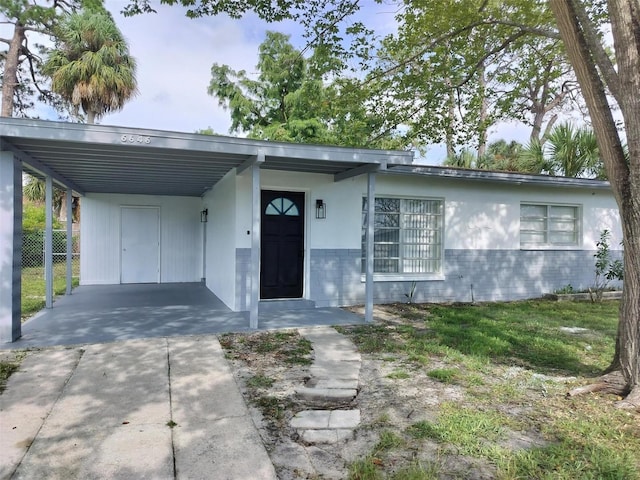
x,y
108,313
105,159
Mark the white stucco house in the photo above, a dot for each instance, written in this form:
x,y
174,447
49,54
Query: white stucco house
x,y
261,221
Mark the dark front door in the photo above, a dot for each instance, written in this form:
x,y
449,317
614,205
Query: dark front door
x,y
282,244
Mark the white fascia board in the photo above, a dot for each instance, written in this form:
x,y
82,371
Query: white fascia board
x,y
512,178
121,136
139,138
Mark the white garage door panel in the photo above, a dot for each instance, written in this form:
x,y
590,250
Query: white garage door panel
x,y
140,245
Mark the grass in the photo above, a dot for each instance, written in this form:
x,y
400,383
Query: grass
x,y
264,349
7,368
444,375
33,286
286,346
520,333
503,356
502,369
260,381
399,374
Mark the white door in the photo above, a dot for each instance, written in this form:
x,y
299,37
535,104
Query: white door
x,y
140,244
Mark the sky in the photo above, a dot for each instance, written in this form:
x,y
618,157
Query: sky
x,y
174,55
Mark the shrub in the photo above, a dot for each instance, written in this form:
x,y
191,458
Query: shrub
x,y
606,268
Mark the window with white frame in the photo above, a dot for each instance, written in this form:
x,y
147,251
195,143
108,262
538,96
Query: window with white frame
x,y
407,236
549,225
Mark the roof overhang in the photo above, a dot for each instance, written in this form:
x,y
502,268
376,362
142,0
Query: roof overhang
x,y
488,176
109,159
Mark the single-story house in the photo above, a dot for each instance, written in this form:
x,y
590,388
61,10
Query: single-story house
x,y
259,221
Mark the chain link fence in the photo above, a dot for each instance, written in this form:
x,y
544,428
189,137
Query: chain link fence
x,y
33,261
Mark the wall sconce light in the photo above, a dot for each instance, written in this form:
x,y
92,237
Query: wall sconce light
x,y
203,215
321,209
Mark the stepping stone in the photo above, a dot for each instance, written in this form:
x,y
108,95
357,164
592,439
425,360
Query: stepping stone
x,y
325,436
318,419
333,383
326,419
326,426
341,419
327,395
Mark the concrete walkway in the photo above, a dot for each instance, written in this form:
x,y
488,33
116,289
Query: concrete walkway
x,y
160,408
333,386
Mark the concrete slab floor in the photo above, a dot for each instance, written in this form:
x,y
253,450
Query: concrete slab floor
x,y
108,313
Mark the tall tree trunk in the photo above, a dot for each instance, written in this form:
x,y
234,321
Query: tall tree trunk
x,y
91,117
625,20
10,78
451,114
624,178
484,112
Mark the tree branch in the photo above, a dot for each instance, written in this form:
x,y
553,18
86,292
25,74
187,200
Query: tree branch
x,y
333,24
523,30
484,57
602,60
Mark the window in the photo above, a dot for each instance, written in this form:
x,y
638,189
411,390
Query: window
x,y
281,206
549,225
407,236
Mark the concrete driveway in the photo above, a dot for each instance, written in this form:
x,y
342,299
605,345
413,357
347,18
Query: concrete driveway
x,y
160,408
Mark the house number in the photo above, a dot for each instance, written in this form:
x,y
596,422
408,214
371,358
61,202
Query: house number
x,y
135,139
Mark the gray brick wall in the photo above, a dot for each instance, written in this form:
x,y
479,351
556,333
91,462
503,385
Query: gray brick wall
x,y
485,275
243,278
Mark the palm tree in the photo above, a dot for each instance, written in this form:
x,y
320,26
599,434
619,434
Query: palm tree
x,y
465,159
569,152
91,66
533,160
34,190
573,152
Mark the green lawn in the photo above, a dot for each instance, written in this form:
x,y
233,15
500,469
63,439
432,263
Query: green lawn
x,y
504,357
33,286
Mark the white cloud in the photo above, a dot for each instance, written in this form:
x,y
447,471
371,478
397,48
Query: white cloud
x,y
174,55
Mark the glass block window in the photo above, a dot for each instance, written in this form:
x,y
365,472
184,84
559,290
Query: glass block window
x,y
549,225
407,236
281,206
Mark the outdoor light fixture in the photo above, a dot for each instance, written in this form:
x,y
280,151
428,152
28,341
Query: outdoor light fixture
x,y
203,215
321,209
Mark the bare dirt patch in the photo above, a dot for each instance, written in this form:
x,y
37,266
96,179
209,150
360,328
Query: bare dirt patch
x,y
402,395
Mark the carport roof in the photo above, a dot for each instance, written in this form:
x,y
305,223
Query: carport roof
x,y
109,159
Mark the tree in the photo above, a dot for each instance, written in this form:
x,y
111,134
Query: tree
x,y
455,68
21,76
33,190
291,101
91,67
568,152
598,76
534,84
500,156
573,152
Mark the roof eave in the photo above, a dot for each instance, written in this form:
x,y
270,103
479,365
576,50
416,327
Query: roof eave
x,y
499,177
